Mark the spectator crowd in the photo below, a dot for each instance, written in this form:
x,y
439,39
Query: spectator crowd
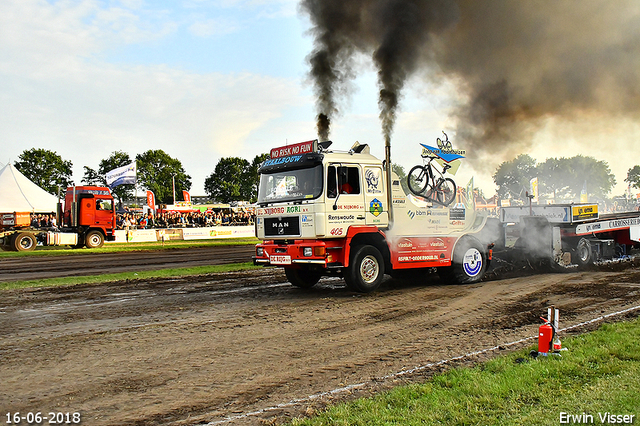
x,y
135,220
44,221
138,220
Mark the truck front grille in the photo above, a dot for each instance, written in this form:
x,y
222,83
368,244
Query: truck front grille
x,y
282,226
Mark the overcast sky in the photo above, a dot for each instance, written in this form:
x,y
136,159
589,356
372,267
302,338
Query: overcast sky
x,y
205,79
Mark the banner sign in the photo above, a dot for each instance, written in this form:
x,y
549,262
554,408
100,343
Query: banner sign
x,y
122,175
585,212
186,196
151,200
171,234
447,155
610,225
295,149
533,190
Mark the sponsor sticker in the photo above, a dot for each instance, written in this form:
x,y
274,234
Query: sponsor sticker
x,y
375,207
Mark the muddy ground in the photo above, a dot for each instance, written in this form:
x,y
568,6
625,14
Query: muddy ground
x,y
78,264
248,348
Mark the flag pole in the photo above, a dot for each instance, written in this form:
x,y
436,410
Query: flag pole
x,y
136,184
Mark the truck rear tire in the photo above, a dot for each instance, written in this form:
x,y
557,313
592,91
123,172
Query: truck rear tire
x,y
94,239
583,255
366,269
23,241
302,277
468,265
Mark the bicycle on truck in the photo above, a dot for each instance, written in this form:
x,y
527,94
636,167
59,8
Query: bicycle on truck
x,y
429,182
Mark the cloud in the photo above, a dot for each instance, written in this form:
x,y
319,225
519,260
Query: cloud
x,y
59,94
213,27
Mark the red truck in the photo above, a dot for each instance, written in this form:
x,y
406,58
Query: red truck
x,y
87,218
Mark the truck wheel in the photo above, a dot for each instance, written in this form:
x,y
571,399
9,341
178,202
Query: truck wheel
x,y
94,239
468,264
366,269
23,241
302,277
582,255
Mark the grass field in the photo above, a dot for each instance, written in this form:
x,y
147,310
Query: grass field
x,y
597,381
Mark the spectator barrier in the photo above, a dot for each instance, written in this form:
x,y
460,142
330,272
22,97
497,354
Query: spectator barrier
x,y
172,234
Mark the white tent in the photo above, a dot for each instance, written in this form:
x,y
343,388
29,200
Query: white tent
x,y
19,194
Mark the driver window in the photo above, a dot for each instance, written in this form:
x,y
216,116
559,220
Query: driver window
x,y
343,179
103,204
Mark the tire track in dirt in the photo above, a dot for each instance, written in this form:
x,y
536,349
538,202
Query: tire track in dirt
x,y
39,267
184,351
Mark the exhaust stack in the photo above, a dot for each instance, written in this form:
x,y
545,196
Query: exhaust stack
x,y
387,159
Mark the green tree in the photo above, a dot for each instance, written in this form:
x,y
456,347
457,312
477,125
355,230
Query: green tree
x,y
402,175
156,171
92,178
115,160
554,182
230,180
633,177
513,177
594,173
46,169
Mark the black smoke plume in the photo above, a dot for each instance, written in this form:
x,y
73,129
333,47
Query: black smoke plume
x,y
393,32
514,63
335,29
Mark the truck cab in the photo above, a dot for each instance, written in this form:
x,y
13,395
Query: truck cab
x,y
323,212
89,211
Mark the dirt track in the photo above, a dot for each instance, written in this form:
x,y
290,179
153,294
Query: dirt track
x,y
203,350
38,267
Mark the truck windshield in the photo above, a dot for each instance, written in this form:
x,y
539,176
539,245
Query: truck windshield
x,y
290,185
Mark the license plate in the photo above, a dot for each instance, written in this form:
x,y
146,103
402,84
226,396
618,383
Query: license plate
x,y
280,260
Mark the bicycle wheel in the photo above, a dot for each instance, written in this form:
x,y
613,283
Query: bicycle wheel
x,y
418,180
445,191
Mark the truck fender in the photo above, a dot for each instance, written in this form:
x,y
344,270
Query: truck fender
x,y
363,234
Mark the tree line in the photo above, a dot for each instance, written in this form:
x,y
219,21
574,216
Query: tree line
x,y
559,179
236,179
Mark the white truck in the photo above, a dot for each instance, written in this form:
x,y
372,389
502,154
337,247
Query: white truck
x,y
322,212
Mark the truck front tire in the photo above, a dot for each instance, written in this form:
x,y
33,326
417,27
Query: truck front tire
x,y
366,269
23,241
94,239
468,265
302,277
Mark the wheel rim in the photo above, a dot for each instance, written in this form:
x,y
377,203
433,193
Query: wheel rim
x,y
94,240
25,243
472,262
583,252
446,192
369,269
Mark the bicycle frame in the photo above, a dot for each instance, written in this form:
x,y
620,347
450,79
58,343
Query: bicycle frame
x,y
432,183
